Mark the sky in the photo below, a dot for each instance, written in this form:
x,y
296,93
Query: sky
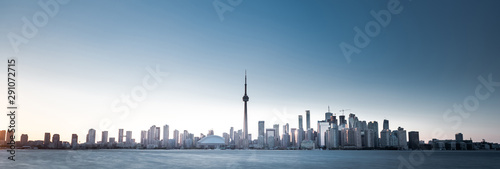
x,y
76,68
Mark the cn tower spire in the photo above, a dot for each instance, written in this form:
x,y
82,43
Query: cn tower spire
x,y
245,82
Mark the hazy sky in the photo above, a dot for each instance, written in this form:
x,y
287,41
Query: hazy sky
x,y
91,53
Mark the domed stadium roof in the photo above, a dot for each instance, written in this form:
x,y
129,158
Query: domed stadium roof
x,y
212,140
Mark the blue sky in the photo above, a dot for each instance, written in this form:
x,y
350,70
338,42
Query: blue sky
x,y
428,58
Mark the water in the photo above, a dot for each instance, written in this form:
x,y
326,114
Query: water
x,y
118,159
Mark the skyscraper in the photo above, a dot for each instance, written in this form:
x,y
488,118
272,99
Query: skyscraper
x,y
342,122
327,116
129,137
300,122
308,119
165,136
458,137
91,136
386,124
245,125
46,140
287,130
231,134
403,144
120,135
144,135
322,128
74,141
413,140
261,128
104,137
385,136
276,128
373,125
176,138
24,139
55,140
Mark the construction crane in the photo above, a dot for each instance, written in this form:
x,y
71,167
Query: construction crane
x,y
342,110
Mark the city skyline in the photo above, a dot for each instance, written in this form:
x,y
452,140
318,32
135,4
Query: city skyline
x,y
74,74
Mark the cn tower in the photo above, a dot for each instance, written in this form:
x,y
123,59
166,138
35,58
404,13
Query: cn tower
x,y
245,124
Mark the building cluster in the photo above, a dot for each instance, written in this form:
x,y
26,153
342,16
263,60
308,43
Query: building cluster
x,y
333,133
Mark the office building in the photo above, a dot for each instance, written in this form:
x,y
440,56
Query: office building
x,y
120,135
128,139
165,136
413,140
386,124
91,136
459,137
300,122
74,141
46,140
104,137
24,139
308,119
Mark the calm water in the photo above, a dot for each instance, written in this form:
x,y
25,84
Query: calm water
x,y
118,159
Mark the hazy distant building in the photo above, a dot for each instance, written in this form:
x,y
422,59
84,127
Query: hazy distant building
x,y
120,135
367,138
386,124
413,140
56,140
294,136
373,125
459,137
143,139
91,136
46,140
342,122
276,128
74,141
308,119
270,137
165,136
24,139
333,137
322,128
352,120
385,136
300,122
328,116
128,139
403,144
104,137
176,138
394,140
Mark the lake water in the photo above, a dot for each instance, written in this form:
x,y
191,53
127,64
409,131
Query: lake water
x,y
118,159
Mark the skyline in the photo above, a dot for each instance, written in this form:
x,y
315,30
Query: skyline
x,y
88,56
